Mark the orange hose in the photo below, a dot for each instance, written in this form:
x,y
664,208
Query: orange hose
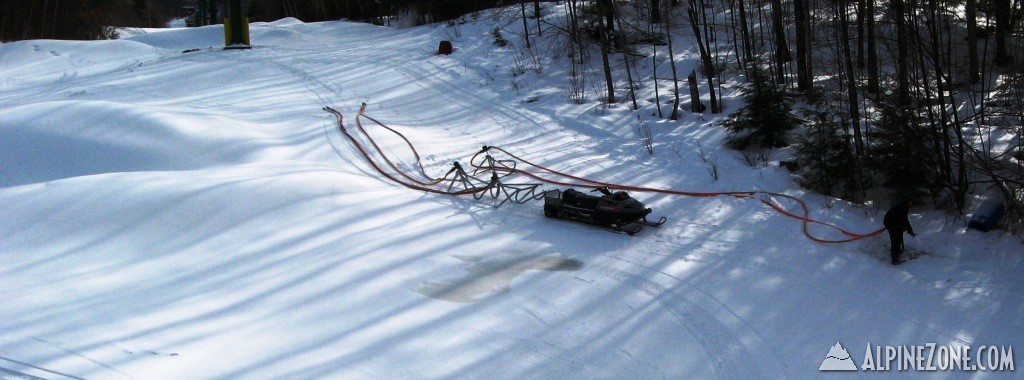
x,y
803,216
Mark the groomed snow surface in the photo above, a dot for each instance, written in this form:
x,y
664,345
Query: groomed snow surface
x,y
172,210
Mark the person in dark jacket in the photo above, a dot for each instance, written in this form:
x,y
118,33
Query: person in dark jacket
x,y
896,221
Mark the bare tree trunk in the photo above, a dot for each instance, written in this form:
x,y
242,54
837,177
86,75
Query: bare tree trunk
x,y
782,54
803,52
632,86
42,23
705,55
961,186
695,105
654,68
946,157
27,28
536,15
609,15
937,159
872,48
603,29
861,10
711,35
972,41
761,20
3,22
574,24
56,8
672,58
735,42
526,27
851,85
654,74
628,62
745,31
1003,29
937,141
902,54
577,55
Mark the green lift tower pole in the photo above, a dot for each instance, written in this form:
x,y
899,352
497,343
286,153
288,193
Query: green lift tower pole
x,y
238,35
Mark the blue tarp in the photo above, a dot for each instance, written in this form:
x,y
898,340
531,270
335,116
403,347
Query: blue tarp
x,y
987,216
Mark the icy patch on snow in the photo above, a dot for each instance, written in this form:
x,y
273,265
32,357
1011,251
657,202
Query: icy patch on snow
x,y
488,276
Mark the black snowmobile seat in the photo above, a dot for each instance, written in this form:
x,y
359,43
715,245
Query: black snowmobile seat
x,y
579,199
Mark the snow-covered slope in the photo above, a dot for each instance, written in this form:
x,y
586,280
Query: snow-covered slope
x,y
172,210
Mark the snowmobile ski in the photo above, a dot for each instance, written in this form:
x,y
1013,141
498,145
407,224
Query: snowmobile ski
x,y
648,223
628,229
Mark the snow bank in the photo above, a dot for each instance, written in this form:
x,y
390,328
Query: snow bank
x,y
55,140
181,39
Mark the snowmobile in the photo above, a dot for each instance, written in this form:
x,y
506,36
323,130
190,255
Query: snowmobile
x,y
615,210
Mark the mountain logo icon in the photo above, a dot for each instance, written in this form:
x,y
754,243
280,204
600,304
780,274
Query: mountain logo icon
x,y
838,359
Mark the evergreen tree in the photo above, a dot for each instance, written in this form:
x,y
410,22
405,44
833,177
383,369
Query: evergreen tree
x,y
827,160
899,154
766,119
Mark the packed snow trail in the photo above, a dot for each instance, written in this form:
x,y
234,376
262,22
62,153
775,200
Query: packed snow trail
x,y
172,210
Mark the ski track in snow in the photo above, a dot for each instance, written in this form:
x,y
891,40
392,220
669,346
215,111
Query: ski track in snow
x,y
738,352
